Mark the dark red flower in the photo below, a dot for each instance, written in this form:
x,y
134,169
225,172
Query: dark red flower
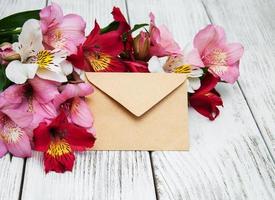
x,y
206,99
137,66
58,141
102,47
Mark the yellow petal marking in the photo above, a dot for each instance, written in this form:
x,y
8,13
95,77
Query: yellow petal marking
x,y
58,148
98,62
44,59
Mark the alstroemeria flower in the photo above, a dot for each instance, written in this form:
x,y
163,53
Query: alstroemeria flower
x,y
37,94
58,140
7,54
100,51
221,58
47,64
14,124
187,63
206,99
72,101
61,32
162,41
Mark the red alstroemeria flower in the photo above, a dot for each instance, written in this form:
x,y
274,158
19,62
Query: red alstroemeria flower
x,y
58,140
100,51
206,99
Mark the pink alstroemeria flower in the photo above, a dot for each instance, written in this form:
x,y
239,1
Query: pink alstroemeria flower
x,y
61,32
72,101
37,94
14,122
221,58
161,40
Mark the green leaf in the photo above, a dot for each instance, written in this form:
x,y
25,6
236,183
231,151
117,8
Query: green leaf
x,y
138,26
4,81
17,20
111,27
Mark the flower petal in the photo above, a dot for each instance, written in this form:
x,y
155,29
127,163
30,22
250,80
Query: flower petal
x,y
194,84
80,113
16,140
234,52
209,37
41,137
193,58
59,158
137,66
154,65
79,138
73,90
19,73
44,90
29,40
67,67
229,74
3,148
52,76
50,15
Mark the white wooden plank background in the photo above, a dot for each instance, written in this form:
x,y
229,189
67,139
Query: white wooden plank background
x,y
96,175
228,157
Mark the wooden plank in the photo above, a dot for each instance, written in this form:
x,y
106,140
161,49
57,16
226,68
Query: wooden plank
x,y
9,7
255,28
10,177
228,157
96,175
11,168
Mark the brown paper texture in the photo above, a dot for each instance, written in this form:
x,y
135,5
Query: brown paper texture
x,y
139,111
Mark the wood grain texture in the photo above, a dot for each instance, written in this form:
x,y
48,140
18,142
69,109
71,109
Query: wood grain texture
x,y
96,175
11,168
228,157
9,7
253,24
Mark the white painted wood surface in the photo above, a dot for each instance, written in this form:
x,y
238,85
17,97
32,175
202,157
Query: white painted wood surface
x,y
96,175
253,24
11,168
228,157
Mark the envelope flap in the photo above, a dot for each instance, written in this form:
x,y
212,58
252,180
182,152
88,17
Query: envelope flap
x,y
137,92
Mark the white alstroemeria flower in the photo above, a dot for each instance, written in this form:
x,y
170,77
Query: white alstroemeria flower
x,y
35,60
189,64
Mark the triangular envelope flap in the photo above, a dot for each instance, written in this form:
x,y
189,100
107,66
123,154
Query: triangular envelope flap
x,y
137,92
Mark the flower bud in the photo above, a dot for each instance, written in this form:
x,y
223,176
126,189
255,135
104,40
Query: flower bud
x,y
7,54
142,46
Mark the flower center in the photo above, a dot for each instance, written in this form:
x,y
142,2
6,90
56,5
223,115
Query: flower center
x,y
217,57
10,133
44,59
98,61
183,69
58,148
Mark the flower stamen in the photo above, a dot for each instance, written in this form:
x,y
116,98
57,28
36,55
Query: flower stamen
x,y
58,148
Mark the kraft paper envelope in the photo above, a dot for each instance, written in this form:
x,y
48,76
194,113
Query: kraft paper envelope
x,y
139,111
